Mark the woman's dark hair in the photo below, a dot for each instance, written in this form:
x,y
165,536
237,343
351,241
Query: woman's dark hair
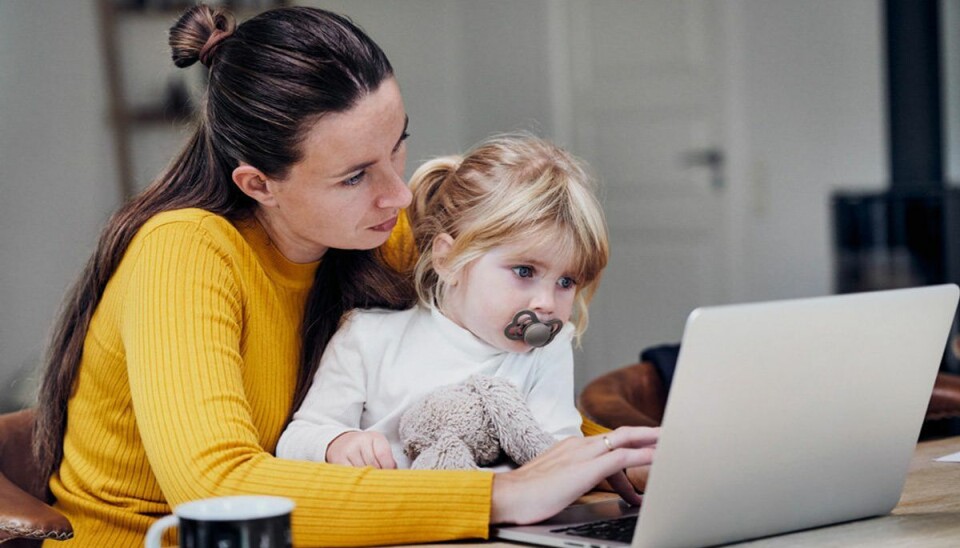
x,y
270,79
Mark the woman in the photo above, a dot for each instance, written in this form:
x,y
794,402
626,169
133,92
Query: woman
x,y
178,356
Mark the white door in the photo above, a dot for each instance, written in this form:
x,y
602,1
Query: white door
x,y
644,111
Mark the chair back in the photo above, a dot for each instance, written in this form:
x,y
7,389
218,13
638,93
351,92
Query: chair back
x,y
630,396
26,517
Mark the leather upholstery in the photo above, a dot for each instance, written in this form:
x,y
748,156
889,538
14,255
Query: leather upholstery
x,y
635,396
26,516
945,400
630,396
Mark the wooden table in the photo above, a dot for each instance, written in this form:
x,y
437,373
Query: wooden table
x,y
928,514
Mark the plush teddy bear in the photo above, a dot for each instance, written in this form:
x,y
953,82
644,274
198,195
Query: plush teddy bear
x,y
467,425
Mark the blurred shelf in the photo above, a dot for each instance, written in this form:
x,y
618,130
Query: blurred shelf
x,y
175,109
159,115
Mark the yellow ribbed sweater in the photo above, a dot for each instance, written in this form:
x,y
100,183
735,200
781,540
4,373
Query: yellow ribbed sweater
x,y
187,375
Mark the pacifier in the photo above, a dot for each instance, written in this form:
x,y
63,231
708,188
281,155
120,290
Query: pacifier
x,y
528,328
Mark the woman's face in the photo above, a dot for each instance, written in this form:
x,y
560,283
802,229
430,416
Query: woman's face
x,y
348,188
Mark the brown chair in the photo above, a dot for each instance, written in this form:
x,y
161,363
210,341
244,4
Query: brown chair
x,y
630,396
636,395
26,517
945,399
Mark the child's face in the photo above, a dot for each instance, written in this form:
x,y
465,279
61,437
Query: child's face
x,y
487,293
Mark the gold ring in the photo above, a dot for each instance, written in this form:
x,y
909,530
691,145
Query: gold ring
x,y
606,441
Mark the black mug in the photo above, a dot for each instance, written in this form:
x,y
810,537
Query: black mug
x,y
255,521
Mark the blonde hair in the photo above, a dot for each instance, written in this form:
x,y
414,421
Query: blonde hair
x,y
507,188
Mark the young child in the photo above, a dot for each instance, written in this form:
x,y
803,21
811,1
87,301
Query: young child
x,y
510,236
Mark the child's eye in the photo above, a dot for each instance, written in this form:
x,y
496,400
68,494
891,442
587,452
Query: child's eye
x,y
566,282
355,180
523,271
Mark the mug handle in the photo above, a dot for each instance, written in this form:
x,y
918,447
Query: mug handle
x,y
155,533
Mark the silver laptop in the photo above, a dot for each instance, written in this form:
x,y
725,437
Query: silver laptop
x,y
782,416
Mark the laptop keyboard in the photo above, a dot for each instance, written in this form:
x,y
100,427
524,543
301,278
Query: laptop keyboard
x,y
619,529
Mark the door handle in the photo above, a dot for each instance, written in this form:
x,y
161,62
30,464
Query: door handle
x,y
710,158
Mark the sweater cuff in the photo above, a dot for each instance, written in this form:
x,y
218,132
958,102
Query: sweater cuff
x,y
590,428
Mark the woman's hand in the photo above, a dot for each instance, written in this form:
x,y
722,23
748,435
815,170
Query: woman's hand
x,y
361,449
548,483
638,476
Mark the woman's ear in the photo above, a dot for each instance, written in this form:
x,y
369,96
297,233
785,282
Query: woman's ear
x,y
442,244
252,182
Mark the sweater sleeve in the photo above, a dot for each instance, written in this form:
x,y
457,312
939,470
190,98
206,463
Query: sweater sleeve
x,y
182,329
590,428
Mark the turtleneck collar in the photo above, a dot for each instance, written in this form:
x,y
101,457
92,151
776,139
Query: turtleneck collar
x,y
462,339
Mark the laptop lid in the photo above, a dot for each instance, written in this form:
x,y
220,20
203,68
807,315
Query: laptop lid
x,y
783,416
793,414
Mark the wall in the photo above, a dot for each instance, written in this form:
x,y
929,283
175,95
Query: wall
x,y
422,42
57,183
467,69
811,119
805,118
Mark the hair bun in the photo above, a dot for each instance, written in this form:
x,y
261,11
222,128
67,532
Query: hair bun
x,y
208,49
198,33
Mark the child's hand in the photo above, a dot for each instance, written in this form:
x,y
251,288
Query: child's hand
x,y
361,449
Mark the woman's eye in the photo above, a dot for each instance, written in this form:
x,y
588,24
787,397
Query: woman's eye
x,y
403,138
566,282
355,180
523,271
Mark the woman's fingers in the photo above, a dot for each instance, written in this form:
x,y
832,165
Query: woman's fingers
x,y
636,446
627,457
622,486
626,447
545,485
638,476
633,436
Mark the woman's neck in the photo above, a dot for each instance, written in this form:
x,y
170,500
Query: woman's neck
x,y
285,242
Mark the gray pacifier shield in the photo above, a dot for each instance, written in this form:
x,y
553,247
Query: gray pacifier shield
x,y
527,328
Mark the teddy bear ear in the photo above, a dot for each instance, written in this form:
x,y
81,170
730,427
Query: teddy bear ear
x,y
521,436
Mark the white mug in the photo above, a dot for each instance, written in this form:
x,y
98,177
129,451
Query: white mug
x,y
254,521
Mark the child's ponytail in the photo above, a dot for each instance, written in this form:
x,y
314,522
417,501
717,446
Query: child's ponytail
x,y
424,185
428,213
